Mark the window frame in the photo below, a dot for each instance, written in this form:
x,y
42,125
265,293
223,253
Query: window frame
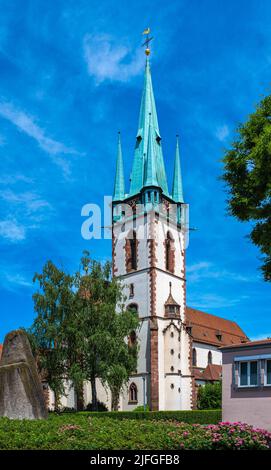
x,y
133,390
265,373
248,385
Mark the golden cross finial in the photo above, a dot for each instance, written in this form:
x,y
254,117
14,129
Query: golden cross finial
x,y
146,32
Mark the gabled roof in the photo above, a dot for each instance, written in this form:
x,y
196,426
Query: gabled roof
x,y
211,373
210,329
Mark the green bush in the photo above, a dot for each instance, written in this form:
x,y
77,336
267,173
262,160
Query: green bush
x,y
189,416
210,396
101,407
141,408
91,431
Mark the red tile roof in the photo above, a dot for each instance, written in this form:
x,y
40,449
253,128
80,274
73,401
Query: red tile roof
x,y
260,342
211,373
1,347
206,328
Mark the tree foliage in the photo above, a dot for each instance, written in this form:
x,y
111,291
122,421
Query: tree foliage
x,y
81,328
248,177
210,396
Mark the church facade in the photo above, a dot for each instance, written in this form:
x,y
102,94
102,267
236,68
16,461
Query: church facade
x,y
148,246
179,347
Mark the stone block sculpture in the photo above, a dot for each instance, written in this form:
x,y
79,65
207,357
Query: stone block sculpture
x,y
21,395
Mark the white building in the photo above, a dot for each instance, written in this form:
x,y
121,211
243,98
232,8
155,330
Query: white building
x,y
178,346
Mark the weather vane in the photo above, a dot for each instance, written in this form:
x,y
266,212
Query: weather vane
x,y
146,32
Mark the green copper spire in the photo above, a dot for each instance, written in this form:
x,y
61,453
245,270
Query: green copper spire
x,y
147,109
150,177
119,187
177,187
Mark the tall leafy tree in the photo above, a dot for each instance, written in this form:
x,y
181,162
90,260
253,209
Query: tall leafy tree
x,y
79,333
104,342
53,303
248,177
123,355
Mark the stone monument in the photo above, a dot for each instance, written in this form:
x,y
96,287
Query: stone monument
x,y
21,395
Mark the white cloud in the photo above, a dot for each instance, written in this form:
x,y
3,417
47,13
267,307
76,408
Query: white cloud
x,y
26,123
213,301
11,230
28,207
12,179
206,270
30,200
107,60
222,132
18,279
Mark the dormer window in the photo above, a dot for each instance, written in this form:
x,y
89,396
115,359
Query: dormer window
x,y
219,336
189,329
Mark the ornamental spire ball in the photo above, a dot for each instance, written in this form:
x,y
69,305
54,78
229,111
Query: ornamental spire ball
x,y
146,32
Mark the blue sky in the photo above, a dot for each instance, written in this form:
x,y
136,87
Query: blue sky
x,y
71,77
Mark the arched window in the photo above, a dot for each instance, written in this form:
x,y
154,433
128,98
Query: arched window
x,y
131,252
132,339
132,307
169,252
194,357
210,357
133,393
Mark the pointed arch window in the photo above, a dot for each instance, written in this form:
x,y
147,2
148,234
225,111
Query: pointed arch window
x,y
194,357
169,253
133,393
131,252
210,357
132,340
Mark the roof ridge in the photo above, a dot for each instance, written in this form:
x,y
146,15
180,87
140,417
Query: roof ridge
x,y
215,329
212,315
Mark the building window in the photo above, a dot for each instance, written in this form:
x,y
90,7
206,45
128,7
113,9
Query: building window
x,y
131,252
210,357
172,352
248,374
268,372
172,334
172,369
219,335
132,308
132,340
133,393
169,247
172,386
194,357
132,291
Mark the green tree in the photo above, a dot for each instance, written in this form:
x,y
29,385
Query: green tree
x,y
210,396
104,327
123,356
78,332
52,304
248,177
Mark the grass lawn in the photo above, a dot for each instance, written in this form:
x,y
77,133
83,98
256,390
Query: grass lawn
x,y
85,431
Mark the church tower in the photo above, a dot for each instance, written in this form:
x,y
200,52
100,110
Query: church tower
x,y
148,247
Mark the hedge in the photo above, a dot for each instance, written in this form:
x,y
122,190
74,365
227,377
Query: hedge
x,y
185,416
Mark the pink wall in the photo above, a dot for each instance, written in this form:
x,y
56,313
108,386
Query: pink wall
x,y
251,405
